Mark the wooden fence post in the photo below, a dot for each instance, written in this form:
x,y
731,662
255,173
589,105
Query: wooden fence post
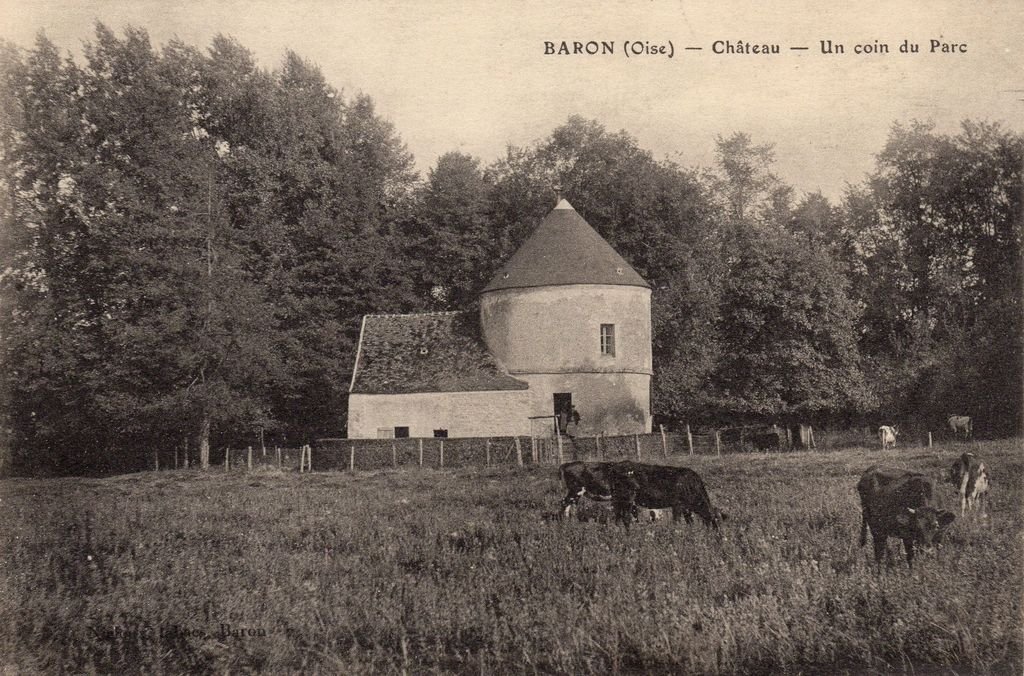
x,y
487,451
278,455
175,458
156,460
394,455
519,452
248,461
597,442
718,443
421,452
664,441
352,457
263,446
441,454
689,439
560,458
533,449
636,438
309,457
929,439
227,458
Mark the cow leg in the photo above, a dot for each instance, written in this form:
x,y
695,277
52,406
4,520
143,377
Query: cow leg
x,y
624,515
908,544
570,500
879,549
625,508
680,511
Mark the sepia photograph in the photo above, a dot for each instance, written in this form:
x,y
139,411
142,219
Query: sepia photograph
x,y
481,337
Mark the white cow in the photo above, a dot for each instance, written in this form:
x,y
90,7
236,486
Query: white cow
x,y
970,477
960,424
887,435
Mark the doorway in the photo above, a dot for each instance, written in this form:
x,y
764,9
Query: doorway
x,y
562,409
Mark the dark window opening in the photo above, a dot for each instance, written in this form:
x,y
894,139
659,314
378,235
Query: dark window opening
x,y
440,434
401,433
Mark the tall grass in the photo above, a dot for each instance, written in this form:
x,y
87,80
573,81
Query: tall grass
x,y
456,571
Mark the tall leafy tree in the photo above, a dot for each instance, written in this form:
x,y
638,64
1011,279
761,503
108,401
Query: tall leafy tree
x,y
939,227
453,240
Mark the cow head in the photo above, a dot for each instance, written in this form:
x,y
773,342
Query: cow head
x,y
926,524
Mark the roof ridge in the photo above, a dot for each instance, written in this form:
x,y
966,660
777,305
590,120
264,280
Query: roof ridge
x,y
416,314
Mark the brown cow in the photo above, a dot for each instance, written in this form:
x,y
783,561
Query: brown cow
x,y
898,503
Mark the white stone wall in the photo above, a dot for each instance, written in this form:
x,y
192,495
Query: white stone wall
x,y
608,403
557,329
463,414
550,337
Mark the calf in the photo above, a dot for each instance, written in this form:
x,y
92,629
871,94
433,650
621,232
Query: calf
x,y
970,476
898,503
589,479
661,487
887,435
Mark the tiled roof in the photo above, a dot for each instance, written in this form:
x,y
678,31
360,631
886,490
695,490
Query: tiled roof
x,y
434,352
564,249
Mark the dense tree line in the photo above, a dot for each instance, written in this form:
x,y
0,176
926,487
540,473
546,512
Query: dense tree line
x,y
189,241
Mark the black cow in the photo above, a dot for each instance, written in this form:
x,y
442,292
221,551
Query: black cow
x,y
898,503
661,487
590,479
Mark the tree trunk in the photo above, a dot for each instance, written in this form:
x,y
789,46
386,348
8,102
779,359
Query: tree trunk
x,y
204,441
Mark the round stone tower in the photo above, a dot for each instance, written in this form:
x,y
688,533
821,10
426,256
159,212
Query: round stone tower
x,y
570,317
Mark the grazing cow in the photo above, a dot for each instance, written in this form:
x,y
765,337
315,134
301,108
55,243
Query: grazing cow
x,y
661,487
970,476
589,479
960,424
887,435
898,503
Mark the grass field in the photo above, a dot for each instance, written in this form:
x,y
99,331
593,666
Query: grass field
x,y
455,571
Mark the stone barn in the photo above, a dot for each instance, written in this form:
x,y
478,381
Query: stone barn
x,y
564,327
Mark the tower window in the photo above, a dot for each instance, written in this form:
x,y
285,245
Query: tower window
x,y
608,339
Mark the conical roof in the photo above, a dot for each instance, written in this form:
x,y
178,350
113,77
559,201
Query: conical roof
x,y
564,249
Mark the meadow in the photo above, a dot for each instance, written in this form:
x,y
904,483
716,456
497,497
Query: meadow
x,y
456,570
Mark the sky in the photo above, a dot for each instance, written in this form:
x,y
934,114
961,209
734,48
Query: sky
x,y
474,76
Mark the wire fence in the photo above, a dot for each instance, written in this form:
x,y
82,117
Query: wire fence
x,y
375,454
